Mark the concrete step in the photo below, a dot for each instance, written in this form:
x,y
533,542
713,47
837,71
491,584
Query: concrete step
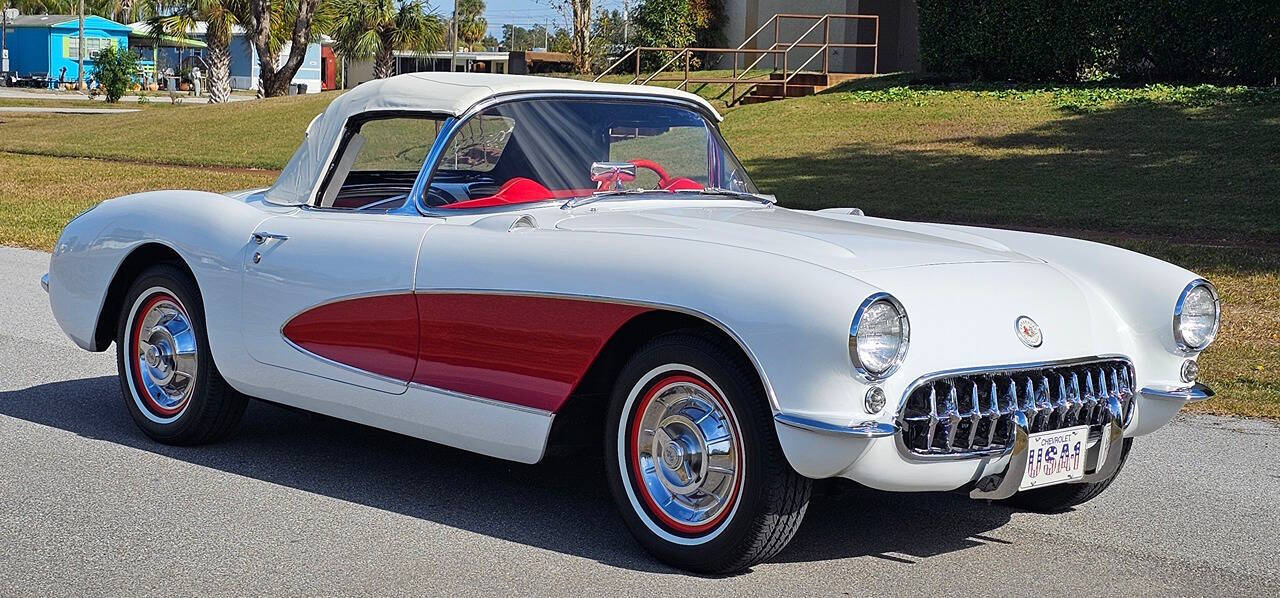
x,y
794,90
804,78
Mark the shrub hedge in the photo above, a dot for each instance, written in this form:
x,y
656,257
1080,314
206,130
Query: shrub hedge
x,y
1221,41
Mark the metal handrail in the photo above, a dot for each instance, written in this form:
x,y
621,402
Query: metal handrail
x,y
741,77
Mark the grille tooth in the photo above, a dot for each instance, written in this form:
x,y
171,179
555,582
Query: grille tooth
x,y
953,416
993,414
971,414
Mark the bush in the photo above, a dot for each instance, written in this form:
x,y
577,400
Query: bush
x,y
1220,41
115,71
678,24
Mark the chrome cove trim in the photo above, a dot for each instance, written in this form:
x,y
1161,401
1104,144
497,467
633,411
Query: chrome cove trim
x,y
1198,392
445,136
868,429
44,282
1177,315
755,362
482,400
853,337
910,455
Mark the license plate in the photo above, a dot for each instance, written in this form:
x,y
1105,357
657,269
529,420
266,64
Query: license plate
x,y
1055,457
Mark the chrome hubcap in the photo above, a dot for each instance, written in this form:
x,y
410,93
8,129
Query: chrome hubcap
x,y
166,349
687,454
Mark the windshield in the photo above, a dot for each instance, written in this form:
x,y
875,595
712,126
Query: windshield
x,y
543,149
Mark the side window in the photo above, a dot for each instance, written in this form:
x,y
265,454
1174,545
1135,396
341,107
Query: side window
x,y
378,162
479,143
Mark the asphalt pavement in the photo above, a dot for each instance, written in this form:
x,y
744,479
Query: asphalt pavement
x,y
299,505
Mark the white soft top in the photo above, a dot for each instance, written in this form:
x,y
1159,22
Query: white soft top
x,y
439,92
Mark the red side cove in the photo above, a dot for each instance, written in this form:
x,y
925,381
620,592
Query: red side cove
x,y
376,334
529,351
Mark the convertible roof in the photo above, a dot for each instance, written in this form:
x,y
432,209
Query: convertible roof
x,y
439,92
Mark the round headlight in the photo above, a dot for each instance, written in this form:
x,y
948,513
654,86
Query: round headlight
x,y
1195,316
878,336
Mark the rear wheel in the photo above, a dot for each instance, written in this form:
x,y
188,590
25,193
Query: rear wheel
x,y
169,382
693,460
1059,498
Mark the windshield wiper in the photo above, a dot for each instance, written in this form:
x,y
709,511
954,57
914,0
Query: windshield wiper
x,y
760,197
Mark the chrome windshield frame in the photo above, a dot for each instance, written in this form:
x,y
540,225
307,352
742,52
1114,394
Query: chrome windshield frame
x,y
417,194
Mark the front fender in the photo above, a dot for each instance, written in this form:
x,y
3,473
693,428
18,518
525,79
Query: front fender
x,y
208,231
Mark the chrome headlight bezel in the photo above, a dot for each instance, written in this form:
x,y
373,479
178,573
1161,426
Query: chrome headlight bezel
x,y
1178,307
858,365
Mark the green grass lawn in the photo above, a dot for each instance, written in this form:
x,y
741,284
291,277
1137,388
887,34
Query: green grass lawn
x,y
1185,174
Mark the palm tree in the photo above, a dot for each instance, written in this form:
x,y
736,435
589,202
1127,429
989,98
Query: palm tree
x,y
219,17
472,25
375,29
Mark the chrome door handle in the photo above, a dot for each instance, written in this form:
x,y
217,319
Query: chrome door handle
x,y
261,238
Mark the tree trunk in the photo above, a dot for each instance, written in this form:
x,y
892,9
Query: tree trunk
x,y
384,64
273,79
218,36
581,35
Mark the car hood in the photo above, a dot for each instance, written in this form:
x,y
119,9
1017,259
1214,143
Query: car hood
x,y
844,243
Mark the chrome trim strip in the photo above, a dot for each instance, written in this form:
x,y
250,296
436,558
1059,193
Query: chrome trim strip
x,y
485,401
1198,392
1031,365
910,455
44,282
443,137
755,362
1177,314
868,429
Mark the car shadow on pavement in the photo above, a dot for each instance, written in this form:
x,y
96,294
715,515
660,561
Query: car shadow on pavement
x,y
561,504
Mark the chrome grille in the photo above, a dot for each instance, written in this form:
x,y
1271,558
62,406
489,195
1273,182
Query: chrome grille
x,y
971,413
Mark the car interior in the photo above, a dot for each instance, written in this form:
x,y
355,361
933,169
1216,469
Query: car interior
x,y
520,152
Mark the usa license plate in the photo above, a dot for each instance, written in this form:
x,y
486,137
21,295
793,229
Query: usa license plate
x,y
1055,457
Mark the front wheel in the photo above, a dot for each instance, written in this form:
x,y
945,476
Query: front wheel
x,y
170,384
693,460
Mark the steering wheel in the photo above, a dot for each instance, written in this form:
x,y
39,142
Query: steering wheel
x,y
663,178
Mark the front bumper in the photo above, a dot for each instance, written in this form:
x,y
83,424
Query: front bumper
x,y
44,282
867,452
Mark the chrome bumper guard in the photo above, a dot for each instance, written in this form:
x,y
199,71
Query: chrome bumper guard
x,y
1003,485
1199,392
858,430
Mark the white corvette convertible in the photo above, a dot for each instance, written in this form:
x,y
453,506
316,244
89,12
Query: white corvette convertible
x,y
503,263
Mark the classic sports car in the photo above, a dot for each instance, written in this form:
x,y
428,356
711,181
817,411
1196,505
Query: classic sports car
x,y
504,263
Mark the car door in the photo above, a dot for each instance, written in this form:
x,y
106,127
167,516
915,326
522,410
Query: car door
x,y
330,293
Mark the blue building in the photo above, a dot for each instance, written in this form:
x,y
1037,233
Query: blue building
x,y
244,59
42,45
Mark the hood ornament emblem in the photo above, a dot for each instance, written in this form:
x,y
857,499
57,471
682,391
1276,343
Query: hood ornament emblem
x,y
1028,331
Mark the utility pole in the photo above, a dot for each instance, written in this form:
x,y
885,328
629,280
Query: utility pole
x,y
4,50
80,51
453,60
546,36
626,23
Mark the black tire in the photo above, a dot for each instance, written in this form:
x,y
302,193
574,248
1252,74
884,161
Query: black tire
x,y
1056,499
770,499
211,408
